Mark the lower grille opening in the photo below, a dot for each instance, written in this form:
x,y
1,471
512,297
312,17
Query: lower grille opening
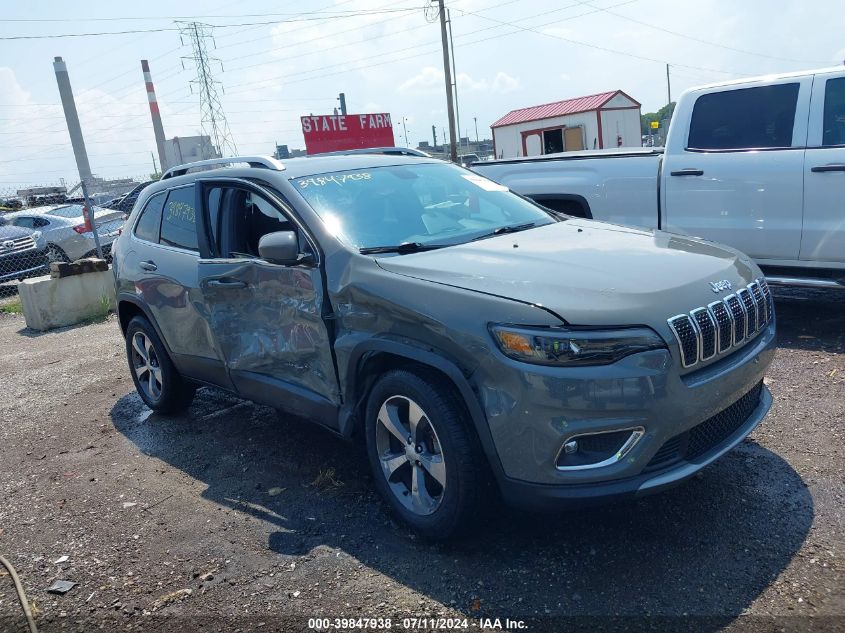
x,y
594,449
707,435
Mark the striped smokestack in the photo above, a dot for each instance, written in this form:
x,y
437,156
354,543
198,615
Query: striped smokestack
x,y
158,129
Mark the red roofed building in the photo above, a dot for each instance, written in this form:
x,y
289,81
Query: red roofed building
x,y
608,119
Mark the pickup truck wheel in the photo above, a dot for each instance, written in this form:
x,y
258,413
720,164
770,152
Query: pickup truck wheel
x,y
156,380
425,462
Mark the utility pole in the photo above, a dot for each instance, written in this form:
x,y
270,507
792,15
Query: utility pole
x,y
155,167
668,87
405,128
475,118
434,135
454,76
447,71
77,142
342,98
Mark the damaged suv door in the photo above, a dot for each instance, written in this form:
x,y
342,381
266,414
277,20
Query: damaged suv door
x,y
268,317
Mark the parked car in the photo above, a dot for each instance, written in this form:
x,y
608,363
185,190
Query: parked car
x,y
21,256
468,335
467,160
66,235
756,163
125,202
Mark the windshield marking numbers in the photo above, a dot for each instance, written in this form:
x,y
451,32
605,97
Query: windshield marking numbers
x,y
342,179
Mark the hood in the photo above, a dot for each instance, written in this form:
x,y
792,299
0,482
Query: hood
x,y
9,232
587,272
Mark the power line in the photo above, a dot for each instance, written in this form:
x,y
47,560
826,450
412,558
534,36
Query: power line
x,y
702,41
221,26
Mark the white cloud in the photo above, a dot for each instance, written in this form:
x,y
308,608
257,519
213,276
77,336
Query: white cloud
x,y
430,80
424,81
504,83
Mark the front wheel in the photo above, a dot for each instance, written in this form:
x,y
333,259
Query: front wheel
x,y
425,460
156,380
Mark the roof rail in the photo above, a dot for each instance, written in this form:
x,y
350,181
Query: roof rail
x,y
266,162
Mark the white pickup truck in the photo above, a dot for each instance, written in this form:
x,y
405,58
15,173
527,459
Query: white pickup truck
x,y
758,164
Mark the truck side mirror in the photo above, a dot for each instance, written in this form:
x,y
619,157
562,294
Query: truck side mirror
x,y
281,247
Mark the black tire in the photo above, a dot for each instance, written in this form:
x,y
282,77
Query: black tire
x,y
56,254
465,494
175,394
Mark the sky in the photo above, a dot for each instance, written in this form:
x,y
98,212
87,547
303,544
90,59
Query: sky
x,y
281,59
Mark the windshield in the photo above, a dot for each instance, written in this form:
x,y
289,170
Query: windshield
x,y
427,204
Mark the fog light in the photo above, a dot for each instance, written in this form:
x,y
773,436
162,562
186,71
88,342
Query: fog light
x,y
596,450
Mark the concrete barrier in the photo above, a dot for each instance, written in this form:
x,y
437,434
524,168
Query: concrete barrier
x,y
49,303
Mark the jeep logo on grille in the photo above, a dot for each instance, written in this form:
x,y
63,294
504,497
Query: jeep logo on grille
x,y
719,286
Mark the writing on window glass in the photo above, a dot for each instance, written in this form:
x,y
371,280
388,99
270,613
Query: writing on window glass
x,y
180,212
334,179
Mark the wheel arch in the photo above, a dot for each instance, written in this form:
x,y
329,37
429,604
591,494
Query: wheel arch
x,y
128,307
373,358
570,203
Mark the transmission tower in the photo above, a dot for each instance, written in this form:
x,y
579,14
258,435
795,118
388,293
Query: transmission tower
x,y
213,121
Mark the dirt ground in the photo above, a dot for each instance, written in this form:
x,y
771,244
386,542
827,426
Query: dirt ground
x,y
231,519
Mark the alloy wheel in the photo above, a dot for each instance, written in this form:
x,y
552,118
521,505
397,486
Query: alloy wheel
x,y
146,366
410,454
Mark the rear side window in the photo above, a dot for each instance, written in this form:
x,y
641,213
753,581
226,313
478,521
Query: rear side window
x,y
179,219
834,112
744,119
150,220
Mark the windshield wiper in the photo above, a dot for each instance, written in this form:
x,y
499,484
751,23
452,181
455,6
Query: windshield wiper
x,y
513,228
404,247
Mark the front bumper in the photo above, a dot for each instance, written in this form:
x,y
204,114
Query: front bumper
x,y
531,411
23,264
539,497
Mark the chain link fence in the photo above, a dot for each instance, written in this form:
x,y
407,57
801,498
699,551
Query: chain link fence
x,y
49,222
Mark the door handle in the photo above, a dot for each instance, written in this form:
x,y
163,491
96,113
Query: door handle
x,y
688,172
148,265
227,283
824,168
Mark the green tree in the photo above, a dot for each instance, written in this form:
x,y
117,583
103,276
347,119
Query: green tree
x,y
663,113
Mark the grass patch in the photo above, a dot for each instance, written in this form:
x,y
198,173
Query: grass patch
x,y
12,307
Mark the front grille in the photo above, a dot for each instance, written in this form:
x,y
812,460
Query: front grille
x,y
8,247
750,310
711,433
715,329
687,338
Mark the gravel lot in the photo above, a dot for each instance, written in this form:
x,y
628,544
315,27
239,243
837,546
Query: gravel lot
x,y
230,518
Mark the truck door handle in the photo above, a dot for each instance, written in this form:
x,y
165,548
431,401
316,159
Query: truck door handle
x,y
148,265
227,283
688,172
823,168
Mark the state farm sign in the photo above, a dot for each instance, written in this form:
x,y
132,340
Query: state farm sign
x,y
335,132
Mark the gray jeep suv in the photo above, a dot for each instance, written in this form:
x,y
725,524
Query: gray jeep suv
x,y
475,341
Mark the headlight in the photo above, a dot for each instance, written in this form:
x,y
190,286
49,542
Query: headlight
x,y
573,346
36,235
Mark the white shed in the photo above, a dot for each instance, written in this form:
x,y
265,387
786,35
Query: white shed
x,y
608,119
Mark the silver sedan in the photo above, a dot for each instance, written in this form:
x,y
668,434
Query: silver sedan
x,y
64,232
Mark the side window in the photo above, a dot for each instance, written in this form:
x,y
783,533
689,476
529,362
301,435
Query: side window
x,y
179,219
148,224
251,217
833,125
40,223
27,223
744,119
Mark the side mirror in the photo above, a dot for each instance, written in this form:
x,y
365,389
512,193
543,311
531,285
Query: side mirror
x,y
281,247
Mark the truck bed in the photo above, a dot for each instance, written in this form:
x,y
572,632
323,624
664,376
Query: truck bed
x,y
614,185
